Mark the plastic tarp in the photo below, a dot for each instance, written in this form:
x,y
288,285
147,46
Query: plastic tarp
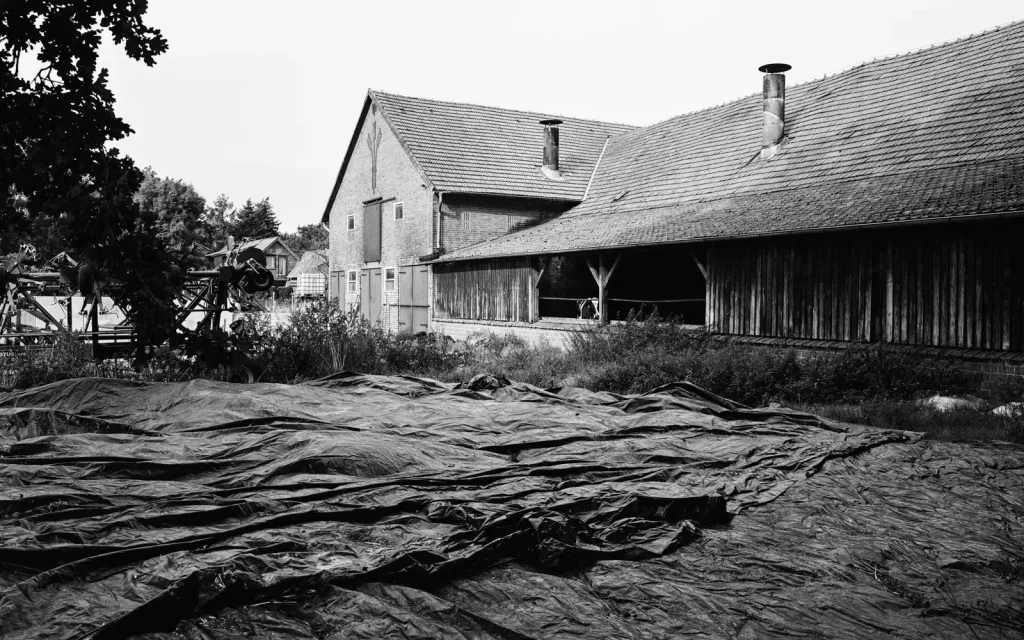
x,y
395,507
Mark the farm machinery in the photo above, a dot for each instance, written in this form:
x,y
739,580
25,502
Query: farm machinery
x,y
37,304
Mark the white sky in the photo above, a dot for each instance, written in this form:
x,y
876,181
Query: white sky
x,y
258,98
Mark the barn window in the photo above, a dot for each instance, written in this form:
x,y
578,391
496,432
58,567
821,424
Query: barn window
x,y
511,222
389,279
270,263
399,210
350,282
351,221
282,264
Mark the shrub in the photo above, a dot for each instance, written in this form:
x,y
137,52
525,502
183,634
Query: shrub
x,y
320,339
638,355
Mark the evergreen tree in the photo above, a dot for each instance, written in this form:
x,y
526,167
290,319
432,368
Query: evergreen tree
x,y
255,221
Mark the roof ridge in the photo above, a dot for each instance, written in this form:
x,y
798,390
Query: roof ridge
x,y
910,52
377,92
901,54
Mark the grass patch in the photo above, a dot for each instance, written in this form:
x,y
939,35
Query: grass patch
x,y
956,425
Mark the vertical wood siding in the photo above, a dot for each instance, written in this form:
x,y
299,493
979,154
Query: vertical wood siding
x,y
501,289
956,286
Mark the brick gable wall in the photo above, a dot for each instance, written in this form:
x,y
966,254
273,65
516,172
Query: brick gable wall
x,y
402,241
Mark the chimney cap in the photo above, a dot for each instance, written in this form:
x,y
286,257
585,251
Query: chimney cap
x,y
774,67
551,122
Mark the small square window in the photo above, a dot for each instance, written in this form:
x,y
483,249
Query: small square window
x,y
399,210
389,279
350,283
351,221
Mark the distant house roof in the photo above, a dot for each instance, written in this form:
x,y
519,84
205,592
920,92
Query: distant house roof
x,y
921,136
467,148
261,243
310,262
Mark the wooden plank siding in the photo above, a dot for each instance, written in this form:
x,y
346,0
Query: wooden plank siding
x,y
498,289
950,286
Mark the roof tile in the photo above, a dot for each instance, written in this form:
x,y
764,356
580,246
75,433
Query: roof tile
x,y
912,137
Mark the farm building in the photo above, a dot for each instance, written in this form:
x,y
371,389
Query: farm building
x,y
880,204
308,278
422,177
279,256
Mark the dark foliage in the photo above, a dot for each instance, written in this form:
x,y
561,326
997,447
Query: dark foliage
x,y
309,237
179,214
255,220
55,168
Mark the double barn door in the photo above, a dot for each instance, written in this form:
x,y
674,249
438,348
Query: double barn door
x,y
412,297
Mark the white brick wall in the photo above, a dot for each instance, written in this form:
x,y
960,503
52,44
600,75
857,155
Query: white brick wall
x,y
462,329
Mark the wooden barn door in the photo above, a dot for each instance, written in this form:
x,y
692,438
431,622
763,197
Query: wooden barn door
x,y
371,233
369,295
338,287
412,298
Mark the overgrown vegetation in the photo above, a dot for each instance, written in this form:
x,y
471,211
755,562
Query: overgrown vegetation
x,y
68,358
876,386
321,339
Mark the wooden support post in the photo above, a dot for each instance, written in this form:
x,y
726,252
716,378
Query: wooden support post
x,y
535,293
602,275
700,265
95,322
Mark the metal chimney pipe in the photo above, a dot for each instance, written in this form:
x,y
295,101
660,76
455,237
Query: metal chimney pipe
x,y
550,166
773,106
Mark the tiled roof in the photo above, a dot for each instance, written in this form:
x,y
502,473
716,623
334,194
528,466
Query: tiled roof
x,y
469,148
310,262
260,243
931,134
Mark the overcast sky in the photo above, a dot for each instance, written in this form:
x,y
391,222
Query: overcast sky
x,y
258,98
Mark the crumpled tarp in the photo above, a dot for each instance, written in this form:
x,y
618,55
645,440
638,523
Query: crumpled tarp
x,y
368,507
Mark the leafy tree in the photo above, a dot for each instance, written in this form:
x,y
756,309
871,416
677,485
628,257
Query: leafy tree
x,y
218,222
178,210
54,131
309,237
255,220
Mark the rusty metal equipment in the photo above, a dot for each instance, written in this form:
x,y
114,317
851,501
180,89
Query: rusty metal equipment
x,y
228,288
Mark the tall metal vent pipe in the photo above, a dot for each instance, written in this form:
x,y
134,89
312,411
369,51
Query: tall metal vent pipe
x,y
550,166
773,131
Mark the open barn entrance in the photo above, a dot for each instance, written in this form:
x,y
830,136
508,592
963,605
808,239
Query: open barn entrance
x,y
670,281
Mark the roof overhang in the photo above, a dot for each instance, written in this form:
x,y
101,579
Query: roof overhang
x,y
939,220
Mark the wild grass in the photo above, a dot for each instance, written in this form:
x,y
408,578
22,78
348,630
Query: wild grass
x,y
961,424
875,386
66,357
321,339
